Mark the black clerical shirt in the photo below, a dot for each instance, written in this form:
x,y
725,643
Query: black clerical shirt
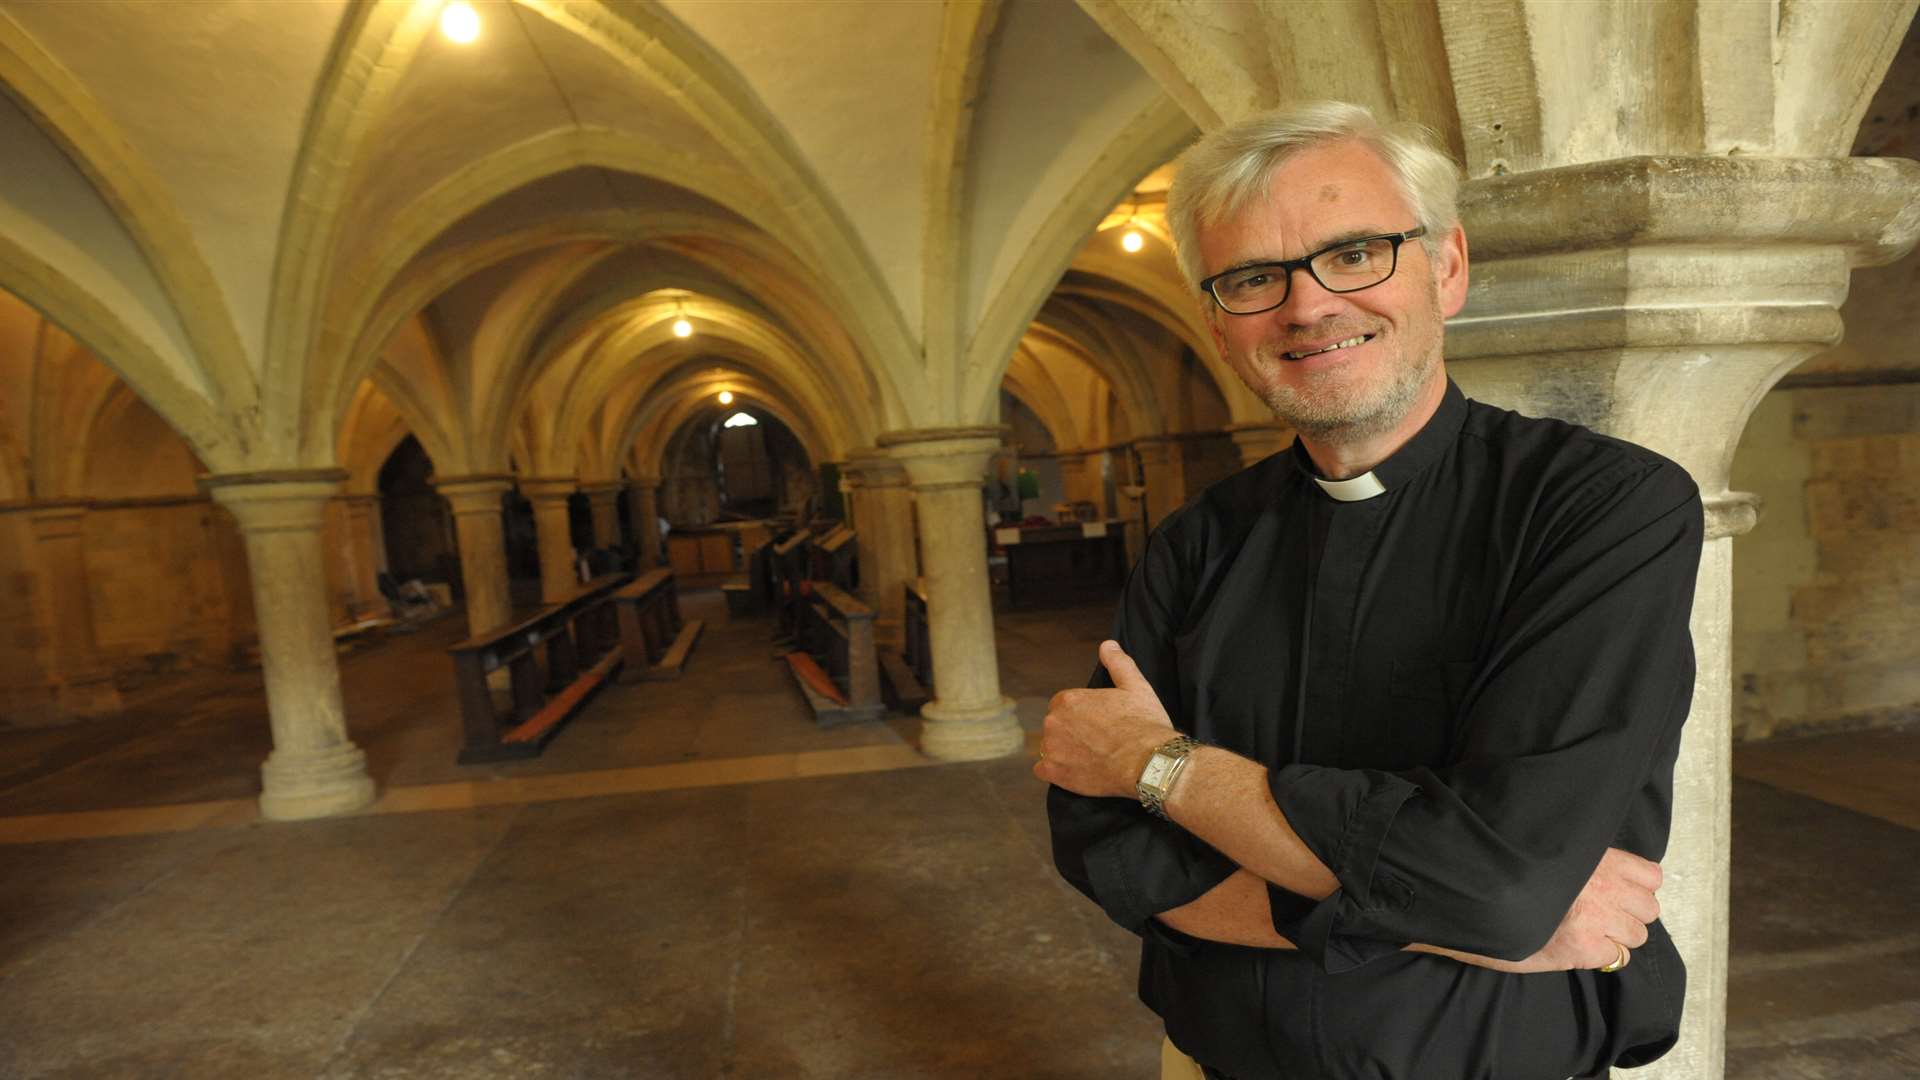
x,y
1465,688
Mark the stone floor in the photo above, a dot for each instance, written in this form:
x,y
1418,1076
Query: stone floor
x,y
696,882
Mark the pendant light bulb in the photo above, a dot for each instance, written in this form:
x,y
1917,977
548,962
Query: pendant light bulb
x,y
460,23
726,397
1132,240
682,328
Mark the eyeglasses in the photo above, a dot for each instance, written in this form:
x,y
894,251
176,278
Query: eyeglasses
x,y
1348,266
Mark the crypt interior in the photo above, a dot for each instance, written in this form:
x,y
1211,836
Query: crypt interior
x,y
536,537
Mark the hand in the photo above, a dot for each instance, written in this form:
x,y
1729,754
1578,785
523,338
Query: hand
x,y
1615,906
1096,742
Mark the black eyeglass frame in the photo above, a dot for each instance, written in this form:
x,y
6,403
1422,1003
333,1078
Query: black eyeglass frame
x,y
1305,262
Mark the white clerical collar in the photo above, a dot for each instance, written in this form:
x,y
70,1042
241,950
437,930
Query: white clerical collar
x,y
1359,489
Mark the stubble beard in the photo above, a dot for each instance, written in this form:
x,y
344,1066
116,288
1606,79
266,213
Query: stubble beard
x,y
1328,405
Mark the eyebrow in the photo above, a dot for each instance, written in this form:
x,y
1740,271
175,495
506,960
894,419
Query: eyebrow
x,y
1333,241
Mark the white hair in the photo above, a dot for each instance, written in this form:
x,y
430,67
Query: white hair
x,y
1229,167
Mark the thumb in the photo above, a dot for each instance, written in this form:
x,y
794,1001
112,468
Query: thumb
x,y
1121,668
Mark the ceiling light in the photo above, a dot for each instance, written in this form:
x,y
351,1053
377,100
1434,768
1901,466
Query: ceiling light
x,y
726,397
1132,240
460,22
682,328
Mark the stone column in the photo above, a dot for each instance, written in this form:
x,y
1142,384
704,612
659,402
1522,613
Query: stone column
x,y
968,718
882,505
559,578
1166,475
481,531
604,501
1080,478
314,769
643,505
362,553
1258,442
82,684
1645,298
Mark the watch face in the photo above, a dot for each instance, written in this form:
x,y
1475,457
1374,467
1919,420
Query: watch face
x,y
1155,774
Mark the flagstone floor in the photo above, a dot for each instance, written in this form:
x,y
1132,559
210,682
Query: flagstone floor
x,y
695,881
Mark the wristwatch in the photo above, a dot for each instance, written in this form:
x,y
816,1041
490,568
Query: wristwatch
x,y
1163,768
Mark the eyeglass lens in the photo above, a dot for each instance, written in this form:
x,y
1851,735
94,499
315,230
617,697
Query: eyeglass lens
x,y
1347,268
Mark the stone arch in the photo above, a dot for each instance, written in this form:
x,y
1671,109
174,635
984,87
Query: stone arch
x,y
68,116
1145,145
1113,357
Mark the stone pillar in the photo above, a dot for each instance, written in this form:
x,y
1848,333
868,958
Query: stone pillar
x,y
1258,442
882,505
314,769
559,577
82,685
1645,298
968,718
643,505
481,532
1162,461
1080,479
362,553
604,501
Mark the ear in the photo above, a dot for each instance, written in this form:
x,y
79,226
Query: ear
x,y
1450,271
1210,314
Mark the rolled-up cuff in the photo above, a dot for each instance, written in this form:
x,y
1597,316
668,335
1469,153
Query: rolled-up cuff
x,y
1343,817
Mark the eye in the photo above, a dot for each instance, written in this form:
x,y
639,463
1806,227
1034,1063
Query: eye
x,y
1352,258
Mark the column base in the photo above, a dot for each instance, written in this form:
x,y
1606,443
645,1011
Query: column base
x,y
323,784
973,733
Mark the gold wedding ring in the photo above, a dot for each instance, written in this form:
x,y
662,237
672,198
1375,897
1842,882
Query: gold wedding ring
x,y
1619,962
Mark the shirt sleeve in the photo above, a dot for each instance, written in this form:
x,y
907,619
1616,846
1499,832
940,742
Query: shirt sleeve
x,y
1572,716
1124,859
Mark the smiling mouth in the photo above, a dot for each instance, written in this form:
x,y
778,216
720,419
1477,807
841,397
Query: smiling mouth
x,y
1349,343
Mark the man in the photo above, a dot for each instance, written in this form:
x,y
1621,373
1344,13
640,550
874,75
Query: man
x,y
1433,661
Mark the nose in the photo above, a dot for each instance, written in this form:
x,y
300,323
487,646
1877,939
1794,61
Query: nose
x,y
1308,302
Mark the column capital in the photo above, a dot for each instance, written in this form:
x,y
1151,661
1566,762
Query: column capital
x,y
441,483
645,481
872,468
276,500
606,489
1644,297
543,488
944,457
1156,449
478,494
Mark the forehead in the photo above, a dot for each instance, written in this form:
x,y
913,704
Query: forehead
x,y
1315,197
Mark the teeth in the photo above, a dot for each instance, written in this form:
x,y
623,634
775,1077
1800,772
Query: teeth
x,y
1349,343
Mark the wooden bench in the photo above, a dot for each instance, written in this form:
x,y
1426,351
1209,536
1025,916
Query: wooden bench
x,y
833,558
788,565
555,660
835,663
653,638
909,672
752,592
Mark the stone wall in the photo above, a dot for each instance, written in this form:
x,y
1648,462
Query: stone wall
x,y
168,585
1826,601
1827,587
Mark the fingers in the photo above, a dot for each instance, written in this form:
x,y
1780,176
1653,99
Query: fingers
x,y
1628,867
1121,668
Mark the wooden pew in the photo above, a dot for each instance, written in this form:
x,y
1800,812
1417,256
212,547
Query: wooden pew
x,y
835,663
654,640
832,558
555,660
788,563
907,675
752,592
